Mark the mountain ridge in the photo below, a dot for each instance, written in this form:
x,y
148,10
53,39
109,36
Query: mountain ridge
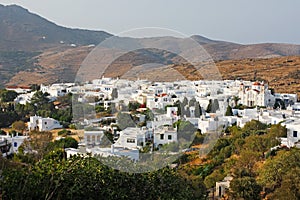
x,y
26,31
29,43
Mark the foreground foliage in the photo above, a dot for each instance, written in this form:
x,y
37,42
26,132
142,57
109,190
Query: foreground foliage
x,y
86,178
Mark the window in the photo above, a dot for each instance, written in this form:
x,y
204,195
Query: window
x,y
169,137
162,136
15,144
130,140
98,138
45,123
295,134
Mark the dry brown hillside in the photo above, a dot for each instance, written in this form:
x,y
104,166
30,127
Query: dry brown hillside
x,y
282,73
54,65
61,65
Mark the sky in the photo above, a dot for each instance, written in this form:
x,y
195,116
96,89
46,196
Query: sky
x,y
241,21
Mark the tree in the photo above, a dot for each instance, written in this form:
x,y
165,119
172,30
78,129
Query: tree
x,y
246,162
187,112
67,142
229,111
39,99
7,95
7,118
36,144
114,94
87,178
260,143
245,188
132,106
213,106
277,130
198,110
290,185
209,107
192,102
236,100
279,104
181,110
210,180
178,105
275,174
35,87
185,101
254,126
19,126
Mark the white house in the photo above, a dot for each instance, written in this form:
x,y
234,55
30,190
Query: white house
x,y
165,135
93,137
10,144
132,154
5,147
162,100
194,121
172,112
43,124
293,132
19,89
160,120
211,124
24,98
288,99
222,186
296,108
141,99
56,90
133,138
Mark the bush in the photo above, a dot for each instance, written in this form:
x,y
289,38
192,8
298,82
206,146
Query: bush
x,y
2,132
64,132
72,126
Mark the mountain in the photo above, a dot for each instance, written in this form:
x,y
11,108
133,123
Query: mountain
x,y
24,36
35,50
222,50
21,30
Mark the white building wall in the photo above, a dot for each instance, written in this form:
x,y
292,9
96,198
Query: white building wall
x,y
93,137
293,133
165,136
43,124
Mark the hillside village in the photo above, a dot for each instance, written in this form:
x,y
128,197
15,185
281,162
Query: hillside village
x,y
149,134
142,116
204,104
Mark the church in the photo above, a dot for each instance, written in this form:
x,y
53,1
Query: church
x,y
253,94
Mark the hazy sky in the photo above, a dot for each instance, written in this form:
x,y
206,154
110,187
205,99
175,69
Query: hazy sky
x,y
251,21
